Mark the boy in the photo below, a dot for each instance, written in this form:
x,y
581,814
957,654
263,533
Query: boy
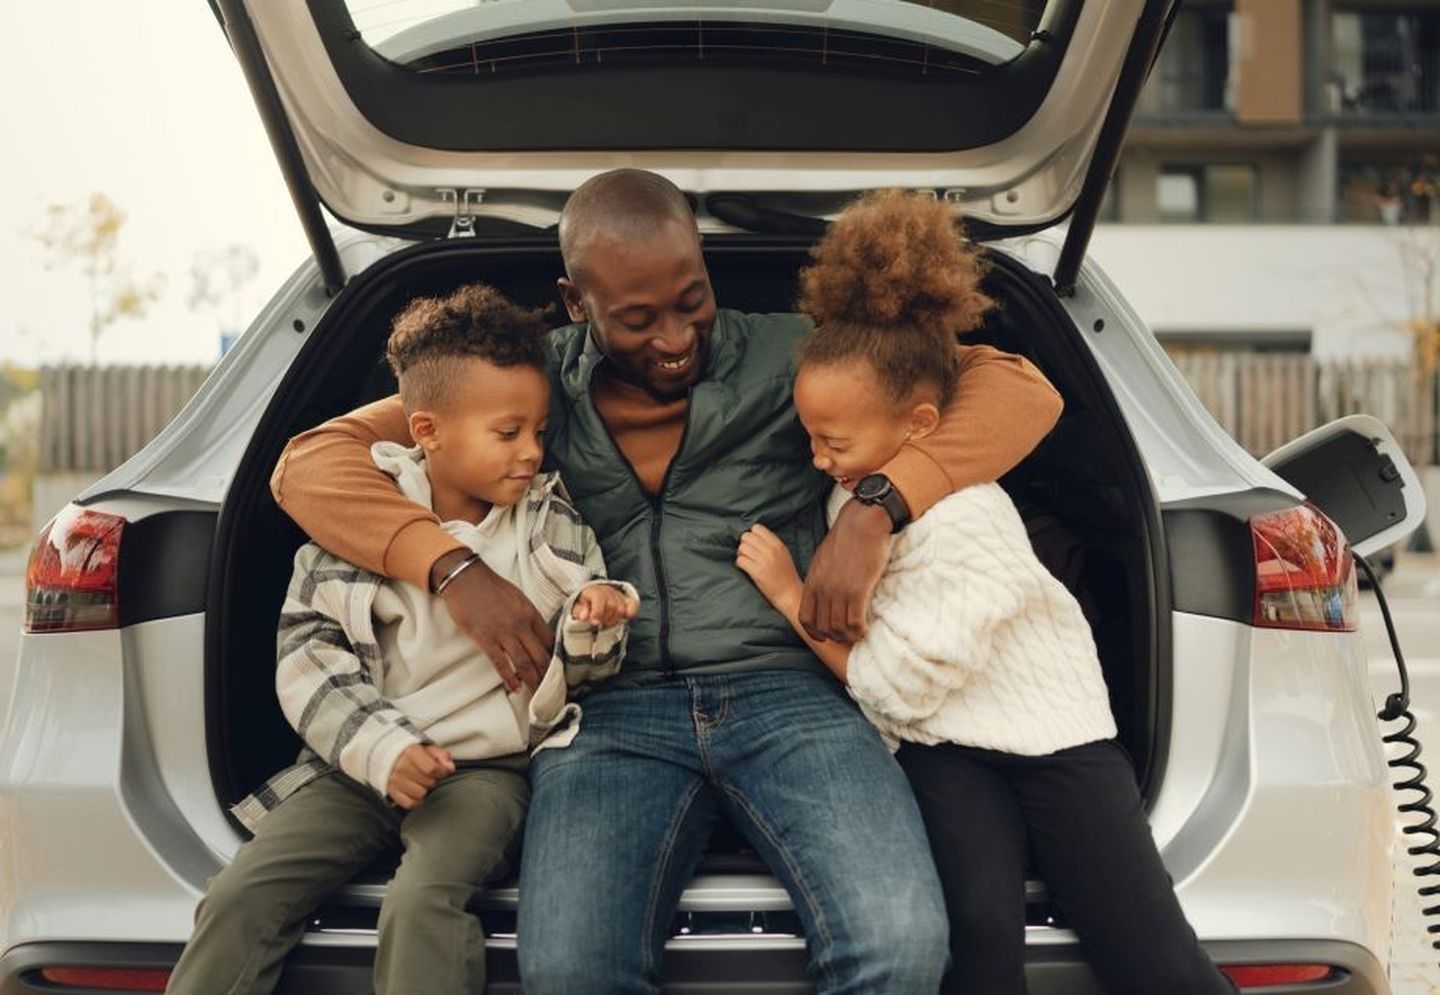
x,y
413,735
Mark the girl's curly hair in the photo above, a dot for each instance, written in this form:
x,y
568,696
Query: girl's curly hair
x,y
473,320
894,282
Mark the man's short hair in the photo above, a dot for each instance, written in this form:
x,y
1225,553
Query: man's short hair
x,y
623,203
474,320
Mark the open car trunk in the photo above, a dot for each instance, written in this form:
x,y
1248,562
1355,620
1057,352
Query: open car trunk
x,y
1084,494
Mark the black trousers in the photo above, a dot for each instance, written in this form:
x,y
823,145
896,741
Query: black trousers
x,y
1078,815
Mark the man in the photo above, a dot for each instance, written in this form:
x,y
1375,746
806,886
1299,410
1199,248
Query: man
x,y
673,426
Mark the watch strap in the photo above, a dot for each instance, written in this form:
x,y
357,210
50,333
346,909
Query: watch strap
x,y
886,497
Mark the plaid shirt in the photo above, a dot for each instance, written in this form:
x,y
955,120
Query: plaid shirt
x,y
328,650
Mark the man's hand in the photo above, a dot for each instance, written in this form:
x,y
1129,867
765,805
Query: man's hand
x,y
844,572
602,605
497,615
765,559
417,771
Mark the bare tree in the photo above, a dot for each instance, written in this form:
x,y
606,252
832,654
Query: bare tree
x,y
1417,187
216,279
86,235
1419,249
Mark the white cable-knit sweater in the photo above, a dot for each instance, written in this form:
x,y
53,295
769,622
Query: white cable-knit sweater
x,y
972,641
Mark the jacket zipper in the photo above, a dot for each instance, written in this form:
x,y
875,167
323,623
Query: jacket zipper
x,y
657,519
667,664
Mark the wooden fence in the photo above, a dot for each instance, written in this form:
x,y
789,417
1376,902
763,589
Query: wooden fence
x,y
1265,400
93,418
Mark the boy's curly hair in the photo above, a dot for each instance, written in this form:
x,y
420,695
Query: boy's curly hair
x,y
473,320
894,282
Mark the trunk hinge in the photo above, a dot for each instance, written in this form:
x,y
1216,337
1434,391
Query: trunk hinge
x,y
465,201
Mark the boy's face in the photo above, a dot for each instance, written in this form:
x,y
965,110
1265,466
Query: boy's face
x,y
854,427
487,440
649,305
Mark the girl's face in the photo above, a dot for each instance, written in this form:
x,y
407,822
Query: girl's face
x,y
855,428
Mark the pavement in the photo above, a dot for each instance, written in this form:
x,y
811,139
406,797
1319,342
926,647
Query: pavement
x,y
1413,591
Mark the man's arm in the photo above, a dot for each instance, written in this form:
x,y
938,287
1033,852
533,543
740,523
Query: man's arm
x,y
1003,407
327,482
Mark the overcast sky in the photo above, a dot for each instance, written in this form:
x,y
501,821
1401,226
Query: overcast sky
x,y
142,101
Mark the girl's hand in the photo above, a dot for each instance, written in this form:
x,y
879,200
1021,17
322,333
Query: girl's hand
x,y
766,561
602,605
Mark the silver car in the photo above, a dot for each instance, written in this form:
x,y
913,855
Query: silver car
x,y
446,136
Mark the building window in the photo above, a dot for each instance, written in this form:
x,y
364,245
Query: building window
x,y
1392,192
1177,193
1193,74
1222,193
1385,62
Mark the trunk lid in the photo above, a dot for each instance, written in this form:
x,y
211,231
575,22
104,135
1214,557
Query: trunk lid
x,y
424,118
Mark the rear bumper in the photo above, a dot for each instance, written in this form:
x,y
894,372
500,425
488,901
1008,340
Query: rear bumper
x,y
773,966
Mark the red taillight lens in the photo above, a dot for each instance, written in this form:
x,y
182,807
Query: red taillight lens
x,y
116,979
70,584
1304,576
1275,975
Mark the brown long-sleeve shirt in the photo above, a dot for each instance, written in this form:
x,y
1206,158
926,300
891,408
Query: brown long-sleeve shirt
x,y
327,482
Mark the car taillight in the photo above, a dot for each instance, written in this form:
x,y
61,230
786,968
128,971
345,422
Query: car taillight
x,y
110,979
70,584
1304,576
1276,975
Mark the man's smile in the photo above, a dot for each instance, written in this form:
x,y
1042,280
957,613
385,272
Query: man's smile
x,y
680,364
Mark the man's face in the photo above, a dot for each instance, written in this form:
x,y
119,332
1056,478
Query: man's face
x,y
649,305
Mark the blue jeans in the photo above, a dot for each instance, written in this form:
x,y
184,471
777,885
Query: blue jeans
x,y
619,820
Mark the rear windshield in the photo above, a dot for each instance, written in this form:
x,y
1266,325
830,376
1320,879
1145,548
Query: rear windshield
x,y
490,37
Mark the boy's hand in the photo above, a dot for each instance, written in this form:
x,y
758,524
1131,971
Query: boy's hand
x,y
766,561
497,615
417,770
602,605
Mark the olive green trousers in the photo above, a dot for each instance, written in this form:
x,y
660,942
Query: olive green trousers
x,y
463,835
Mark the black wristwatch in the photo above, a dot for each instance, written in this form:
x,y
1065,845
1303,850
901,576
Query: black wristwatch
x,y
877,489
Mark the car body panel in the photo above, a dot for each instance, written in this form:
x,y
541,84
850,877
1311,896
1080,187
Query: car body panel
x,y
1307,852
1186,452
84,869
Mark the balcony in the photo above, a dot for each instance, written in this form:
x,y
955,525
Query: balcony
x,y
1385,67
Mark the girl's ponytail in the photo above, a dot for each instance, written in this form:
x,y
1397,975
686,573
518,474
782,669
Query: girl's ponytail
x,y
894,282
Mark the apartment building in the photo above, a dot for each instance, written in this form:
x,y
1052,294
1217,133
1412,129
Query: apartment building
x,y
1276,191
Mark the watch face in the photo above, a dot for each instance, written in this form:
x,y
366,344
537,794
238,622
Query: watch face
x,y
872,487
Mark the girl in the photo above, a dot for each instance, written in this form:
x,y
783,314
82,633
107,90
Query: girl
x,y
977,662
